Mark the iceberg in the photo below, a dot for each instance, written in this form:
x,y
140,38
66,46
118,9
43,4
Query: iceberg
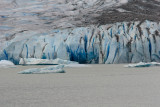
x,y
46,70
6,64
76,65
35,61
143,64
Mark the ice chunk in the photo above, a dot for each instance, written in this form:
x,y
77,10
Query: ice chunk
x,y
46,70
143,64
6,63
61,61
34,61
76,65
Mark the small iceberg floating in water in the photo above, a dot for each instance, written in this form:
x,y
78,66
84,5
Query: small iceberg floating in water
x,y
143,64
34,61
76,65
46,70
58,68
6,64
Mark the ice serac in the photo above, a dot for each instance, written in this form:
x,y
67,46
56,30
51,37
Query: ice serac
x,y
121,42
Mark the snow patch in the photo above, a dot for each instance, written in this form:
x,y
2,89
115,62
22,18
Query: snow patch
x,y
121,10
123,1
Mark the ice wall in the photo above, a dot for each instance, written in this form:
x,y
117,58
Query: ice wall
x,y
112,43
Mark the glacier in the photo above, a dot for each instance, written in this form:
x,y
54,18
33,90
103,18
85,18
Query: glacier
x,y
85,31
121,42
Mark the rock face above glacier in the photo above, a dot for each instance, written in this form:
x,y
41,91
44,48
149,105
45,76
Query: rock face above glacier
x,y
43,15
111,43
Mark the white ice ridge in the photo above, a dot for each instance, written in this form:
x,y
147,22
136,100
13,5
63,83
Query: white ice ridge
x,y
34,61
6,63
46,70
143,64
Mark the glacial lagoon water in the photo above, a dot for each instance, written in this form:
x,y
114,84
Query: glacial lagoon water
x,y
99,85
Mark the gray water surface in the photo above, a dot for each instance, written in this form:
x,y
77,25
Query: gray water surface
x,y
96,86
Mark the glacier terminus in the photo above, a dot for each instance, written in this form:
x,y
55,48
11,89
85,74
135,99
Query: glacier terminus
x,y
85,31
125,42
